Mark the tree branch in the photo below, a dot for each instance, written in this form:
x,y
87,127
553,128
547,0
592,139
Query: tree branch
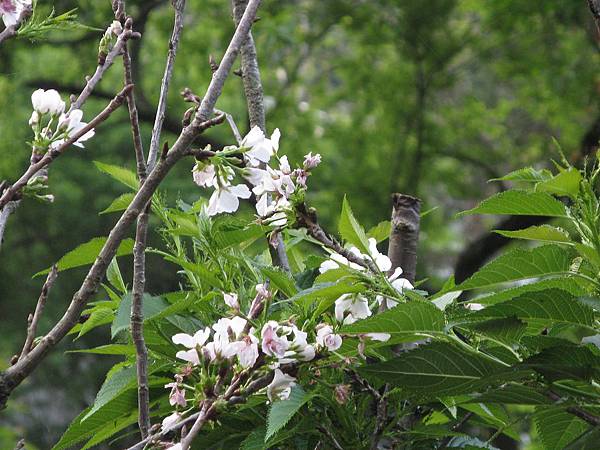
x,y
14,375
402,249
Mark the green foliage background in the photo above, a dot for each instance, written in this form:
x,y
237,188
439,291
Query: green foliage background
x,y
426,98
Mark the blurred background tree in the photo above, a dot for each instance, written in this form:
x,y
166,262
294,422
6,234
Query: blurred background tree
x,y
426,98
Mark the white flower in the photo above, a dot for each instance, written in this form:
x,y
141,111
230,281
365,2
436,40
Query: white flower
x,y
47,102
278,182
171,420
226,199
231,300
11,10
273,212
71,123
400,284
191,342
326,338
204,176
35,119
299,348
381,261
230,328
356,306
246,350
281,386
272,344
382,337
198,339
261,148
311,161
335,259
474,306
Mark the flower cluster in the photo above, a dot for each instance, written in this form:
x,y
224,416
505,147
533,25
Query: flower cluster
x,y
272,187
11,10
51,125
234,339
352,307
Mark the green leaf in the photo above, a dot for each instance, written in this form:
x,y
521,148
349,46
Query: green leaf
x,y
282,411
507,330
569,285
121,203
351,230
436,369
226,239
99,316
114,277
586,441
557,427
520,264
552,305
111,411
565,362
112,388
514,394
327,292
121,174
87,253
255,440
523,203
282,280
565,183
405,318
151,306
381,231
545,233
111,349
527,174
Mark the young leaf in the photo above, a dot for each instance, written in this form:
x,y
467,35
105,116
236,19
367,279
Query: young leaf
x,y
87,253
404,318
381,231
523,203
527,174
121,203
545,233
281,280
565,183
100,316
113,275
521,264
282,411
151,306
557,427
111,349
436,369
326,291
121,174
351,230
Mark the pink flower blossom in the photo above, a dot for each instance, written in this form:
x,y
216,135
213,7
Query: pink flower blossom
x,y
326,338
272,344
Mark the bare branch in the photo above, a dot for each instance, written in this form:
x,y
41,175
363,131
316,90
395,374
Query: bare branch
x,y
179,6
41,303
5,213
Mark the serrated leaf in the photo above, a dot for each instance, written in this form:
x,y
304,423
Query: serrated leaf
x,y
524,203
121,203
565,183
350,230
436,369
569,285
557,427
586,441
552,305
405,318
111,349
114,277
281,280
255,440
520,264
113,387
121,174
151,306
282,411
514,394
381,231
544,233
226,239
98,317
526,174
87,253
507,330
109,412
565,362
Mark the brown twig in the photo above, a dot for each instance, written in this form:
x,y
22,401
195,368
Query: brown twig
x,y
139,251
13,376
33,320
307,218
179,6
12,192
402,249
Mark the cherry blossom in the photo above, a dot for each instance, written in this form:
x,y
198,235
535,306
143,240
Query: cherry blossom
x,y
226,199
71,124
399,284
272,344
177,395
49,101
350,308
261,148
11,10
326,337
231,300
246,350
281,386
204,175
311,161
171,420
191,342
